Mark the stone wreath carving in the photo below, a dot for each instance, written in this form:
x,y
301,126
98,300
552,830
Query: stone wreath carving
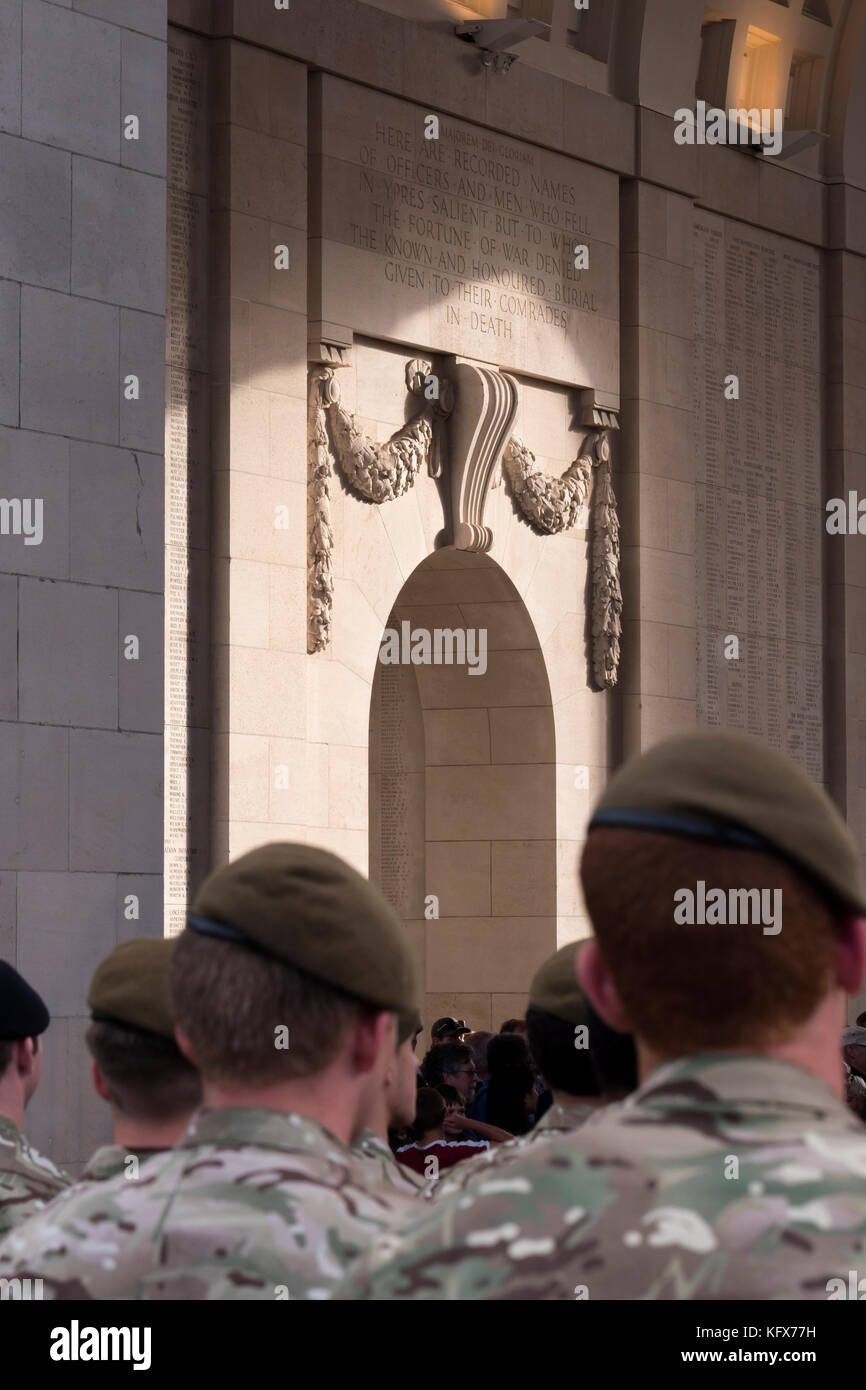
x,y
379,472
554,505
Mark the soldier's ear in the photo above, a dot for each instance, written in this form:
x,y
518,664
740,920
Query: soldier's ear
x,y
185,1045
850,953
99,1083
597,983
25,1056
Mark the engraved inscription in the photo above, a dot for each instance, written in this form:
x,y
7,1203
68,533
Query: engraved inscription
x,y
759,511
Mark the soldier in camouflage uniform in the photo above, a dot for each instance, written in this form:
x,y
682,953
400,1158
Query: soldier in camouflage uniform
x,y
28,1180
396,1109
137,1066
570,1046
735,1171
285,989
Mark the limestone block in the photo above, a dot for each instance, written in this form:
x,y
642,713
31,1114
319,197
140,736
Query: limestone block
x,y
526,106
259,692
505,1006
522,735
523,878
511,678
660,159
583,720
500,954
789,202
141,683
569,894
263,177
278,348
647,719
146,16
116,784
508,625
68,924
351,845
10,66
259,519
403,527
598,127
457,736
69,380
68,654
730,181
664,295
10,329
664,436
8,916
287,438
306,797
71,81
34,214
574,800
128,490
142,348
658,367
127,267
8,647
458,873
567,657
490,803
148,889
143,94
250,243
239,837
34,771
241,601
362,553
287,622
338,704
846,341
347,791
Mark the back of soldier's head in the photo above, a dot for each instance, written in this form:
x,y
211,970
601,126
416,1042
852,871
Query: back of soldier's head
x,y
23,1017
709,812
285,950
430,1109
131,1034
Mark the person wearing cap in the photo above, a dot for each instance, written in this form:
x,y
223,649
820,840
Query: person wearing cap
x,y
285,989
395,1110
735,1170
28,1180
449,1030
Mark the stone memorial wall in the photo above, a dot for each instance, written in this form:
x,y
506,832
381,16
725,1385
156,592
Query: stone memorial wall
x,y
759,502
462,243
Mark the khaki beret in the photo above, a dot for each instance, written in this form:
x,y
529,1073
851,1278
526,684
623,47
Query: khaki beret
x,y
555,988
407,1024
728,789
307,907
130,986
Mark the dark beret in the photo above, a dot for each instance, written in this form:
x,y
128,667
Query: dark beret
x,y
728,789
407,1024
131,986
307,907
555,989
22,1012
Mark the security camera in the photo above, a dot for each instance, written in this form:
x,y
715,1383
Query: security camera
x,y
493,37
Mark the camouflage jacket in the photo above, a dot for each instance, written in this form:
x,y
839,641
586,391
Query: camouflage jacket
x,y
113,1161
377,1159
561,1118
28,1180
722,1177
251,1204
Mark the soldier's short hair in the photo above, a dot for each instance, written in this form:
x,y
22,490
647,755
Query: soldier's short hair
x,y
563,1066
690,988
147,1075
253,1019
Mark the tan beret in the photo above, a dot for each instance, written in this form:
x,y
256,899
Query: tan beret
x,y
555,988
307,907
131,986
407,1024
731,790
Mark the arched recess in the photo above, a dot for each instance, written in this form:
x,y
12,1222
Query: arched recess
x,y
463,793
